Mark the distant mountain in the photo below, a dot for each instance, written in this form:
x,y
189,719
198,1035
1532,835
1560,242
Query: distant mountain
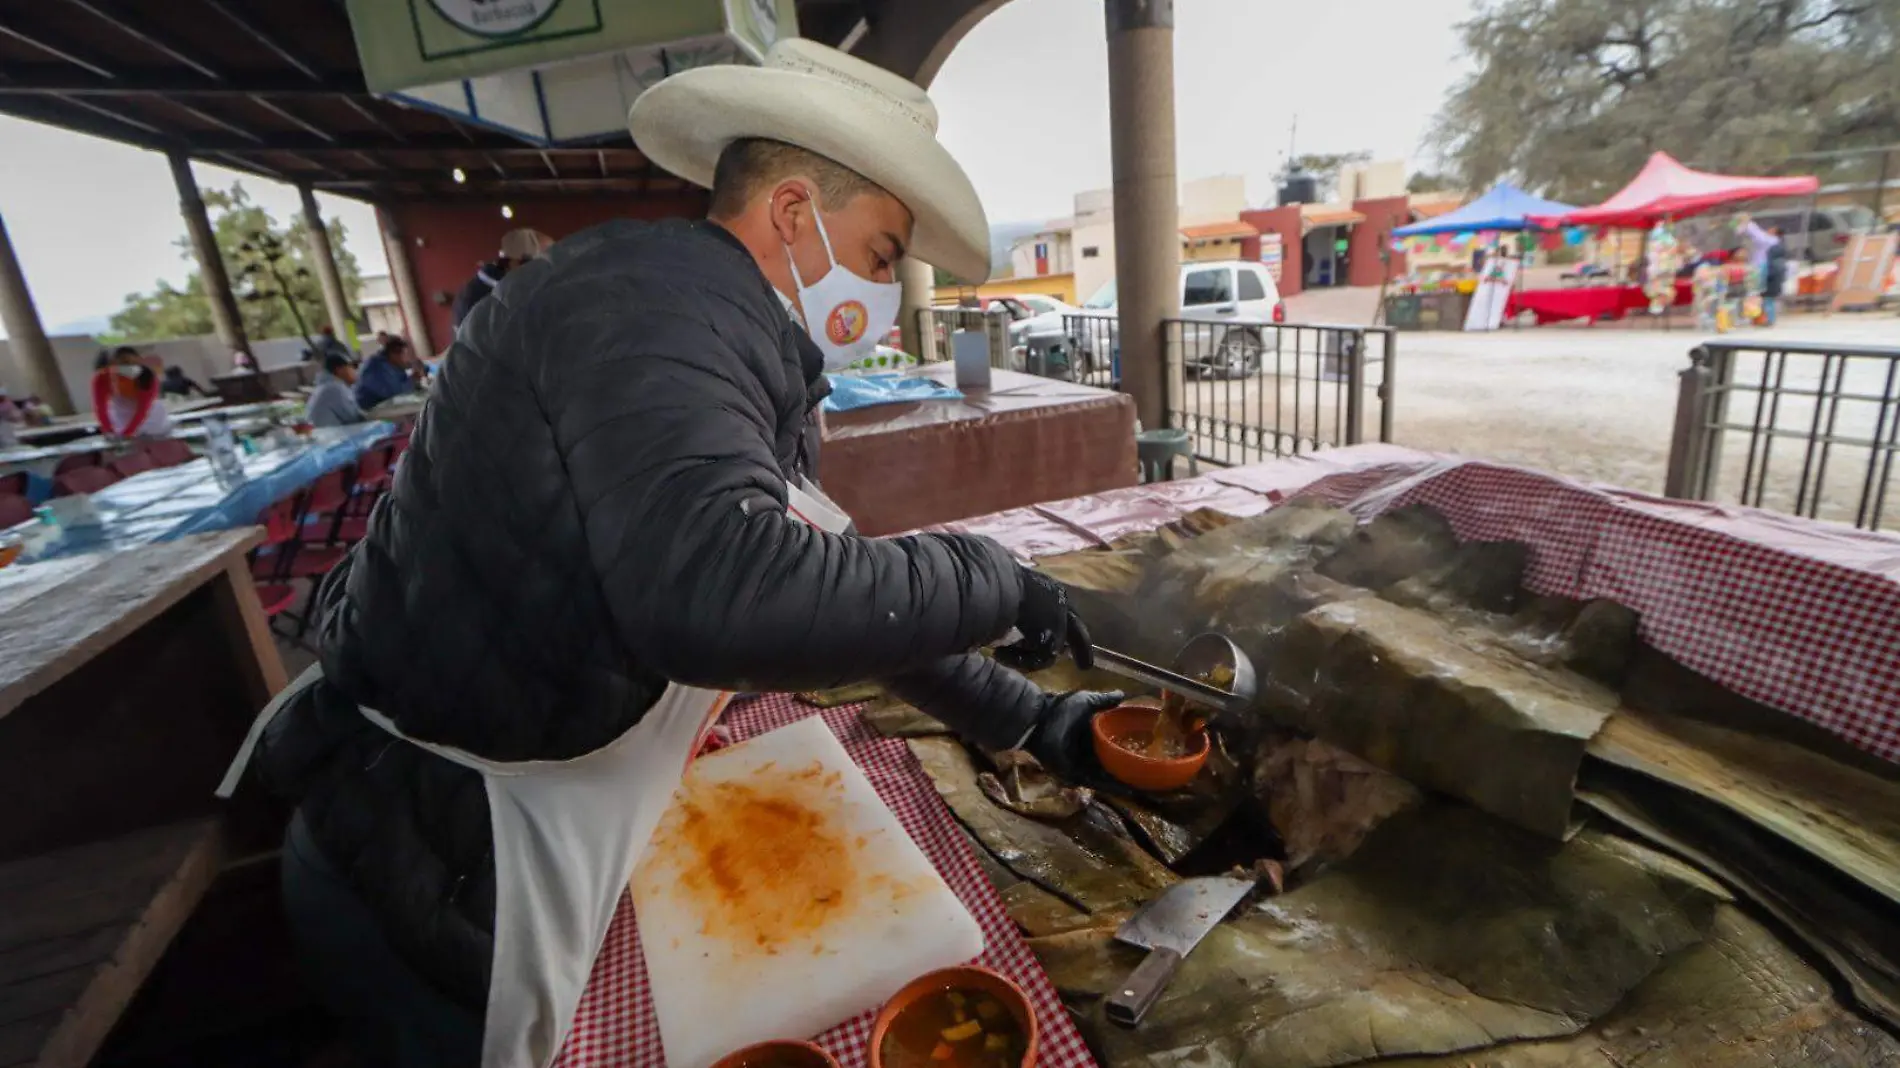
x,y
1004,235
98,324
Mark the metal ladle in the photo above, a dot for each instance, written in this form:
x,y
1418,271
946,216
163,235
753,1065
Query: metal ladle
x,y
1201,656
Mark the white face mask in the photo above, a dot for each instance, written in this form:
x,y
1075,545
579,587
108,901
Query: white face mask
x,y
846,314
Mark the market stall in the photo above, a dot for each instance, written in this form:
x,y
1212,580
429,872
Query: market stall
x,y
1475,901
1661,194
1441,300
1026,438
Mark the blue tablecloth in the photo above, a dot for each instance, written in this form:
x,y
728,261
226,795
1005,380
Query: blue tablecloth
x,y
172,502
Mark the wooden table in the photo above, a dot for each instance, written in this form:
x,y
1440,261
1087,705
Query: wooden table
x,y
126,684
1025,440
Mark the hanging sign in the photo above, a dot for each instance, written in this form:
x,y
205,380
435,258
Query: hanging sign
x,y
552,70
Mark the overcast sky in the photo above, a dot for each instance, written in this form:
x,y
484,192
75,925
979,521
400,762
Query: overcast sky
x,y
1024,101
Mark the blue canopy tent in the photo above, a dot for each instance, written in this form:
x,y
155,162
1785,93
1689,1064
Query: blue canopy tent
x,y
1502,207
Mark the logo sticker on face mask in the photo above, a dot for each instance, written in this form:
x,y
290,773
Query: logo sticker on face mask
x,y
846,323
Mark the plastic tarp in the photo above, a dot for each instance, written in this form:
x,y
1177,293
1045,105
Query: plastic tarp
x,y
171,502
851,392
1502,207
1665,189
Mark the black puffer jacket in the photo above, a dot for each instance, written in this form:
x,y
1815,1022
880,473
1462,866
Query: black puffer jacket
x,y
594,505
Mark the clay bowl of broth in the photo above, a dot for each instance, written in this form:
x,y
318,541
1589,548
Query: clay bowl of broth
x,y
1134,748
966,1017
778,1055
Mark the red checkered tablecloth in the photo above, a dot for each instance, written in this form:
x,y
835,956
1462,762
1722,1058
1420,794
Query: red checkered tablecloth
x,y
1799,615
615,1024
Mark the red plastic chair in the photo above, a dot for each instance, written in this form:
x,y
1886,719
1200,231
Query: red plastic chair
x,y
14,483
132,463
75,462
169,452
83,480
14,510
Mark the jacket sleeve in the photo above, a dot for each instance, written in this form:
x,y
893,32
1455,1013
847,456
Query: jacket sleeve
x,y
665,427
973,695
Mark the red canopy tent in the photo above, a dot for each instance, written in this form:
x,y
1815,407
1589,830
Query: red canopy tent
x,y
1665,189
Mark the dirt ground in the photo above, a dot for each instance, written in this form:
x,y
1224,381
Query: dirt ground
x,y
1596,403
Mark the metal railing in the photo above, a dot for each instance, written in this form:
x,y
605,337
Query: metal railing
x,y
1834,409
1247,390
939,326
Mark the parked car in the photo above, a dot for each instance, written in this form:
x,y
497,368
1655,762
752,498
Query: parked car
x,y
1818,235
1229,308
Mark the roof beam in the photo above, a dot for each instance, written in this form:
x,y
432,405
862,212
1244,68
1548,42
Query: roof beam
x,y
51,79
58,50
129,25
307,127
213,120
479,180
265,38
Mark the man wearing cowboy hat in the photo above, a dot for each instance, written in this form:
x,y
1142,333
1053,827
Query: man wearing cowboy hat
x,y
607,503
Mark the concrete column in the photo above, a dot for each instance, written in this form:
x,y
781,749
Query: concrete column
x,y
916,277
26,338
402,271
335,302
1147,208
204,242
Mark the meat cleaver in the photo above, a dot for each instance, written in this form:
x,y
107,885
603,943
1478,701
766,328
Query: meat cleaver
x,y
1169,927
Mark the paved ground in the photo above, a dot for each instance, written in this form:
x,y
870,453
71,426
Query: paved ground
x,y
1596,403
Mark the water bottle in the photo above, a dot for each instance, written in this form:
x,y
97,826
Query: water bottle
x,y
221,449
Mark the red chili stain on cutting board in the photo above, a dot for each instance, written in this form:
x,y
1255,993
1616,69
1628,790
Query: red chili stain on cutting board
x,y
765,863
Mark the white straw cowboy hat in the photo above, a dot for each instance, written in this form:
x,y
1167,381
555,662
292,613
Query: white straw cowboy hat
x,y
841,108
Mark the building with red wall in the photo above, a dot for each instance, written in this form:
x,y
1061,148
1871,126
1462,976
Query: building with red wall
x,y
1285,221
448,241
1372,239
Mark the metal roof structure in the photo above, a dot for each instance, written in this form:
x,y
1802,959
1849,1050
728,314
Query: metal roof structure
x,y
274,88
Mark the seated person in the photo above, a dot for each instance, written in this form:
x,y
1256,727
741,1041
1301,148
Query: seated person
x,y
332,402
125,396
387,374
176,383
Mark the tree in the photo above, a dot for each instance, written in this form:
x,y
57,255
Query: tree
x,y
243,230
1323,168
1429,182
1571,96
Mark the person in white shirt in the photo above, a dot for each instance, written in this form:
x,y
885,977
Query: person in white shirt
x,y
126,398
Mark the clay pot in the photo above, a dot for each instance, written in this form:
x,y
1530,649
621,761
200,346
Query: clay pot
x,y
967,977
799,1054
1137,769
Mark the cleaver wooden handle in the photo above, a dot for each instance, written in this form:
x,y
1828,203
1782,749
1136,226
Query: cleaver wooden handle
x,y
1137,994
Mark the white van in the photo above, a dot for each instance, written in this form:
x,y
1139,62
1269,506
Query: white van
x,y
1213,294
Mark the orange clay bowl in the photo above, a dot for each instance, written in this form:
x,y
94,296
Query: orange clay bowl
x,y
801,1054
1137,769
967,977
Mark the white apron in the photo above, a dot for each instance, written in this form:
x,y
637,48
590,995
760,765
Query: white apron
x,y
567,836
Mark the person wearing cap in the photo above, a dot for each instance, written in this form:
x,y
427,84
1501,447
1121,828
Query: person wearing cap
x,y
331,401
517,247
608,519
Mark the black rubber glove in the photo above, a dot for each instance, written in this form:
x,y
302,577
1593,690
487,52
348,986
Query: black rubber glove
x,y
1062,740
1047,625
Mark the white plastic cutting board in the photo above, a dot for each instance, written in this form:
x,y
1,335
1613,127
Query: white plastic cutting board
x,y
780,898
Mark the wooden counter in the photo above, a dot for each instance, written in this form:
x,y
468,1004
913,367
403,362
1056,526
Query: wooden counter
x,y
127,682
897,467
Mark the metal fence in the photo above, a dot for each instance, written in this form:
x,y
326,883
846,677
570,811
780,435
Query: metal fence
x,y
1815,427
938,327
1246,390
